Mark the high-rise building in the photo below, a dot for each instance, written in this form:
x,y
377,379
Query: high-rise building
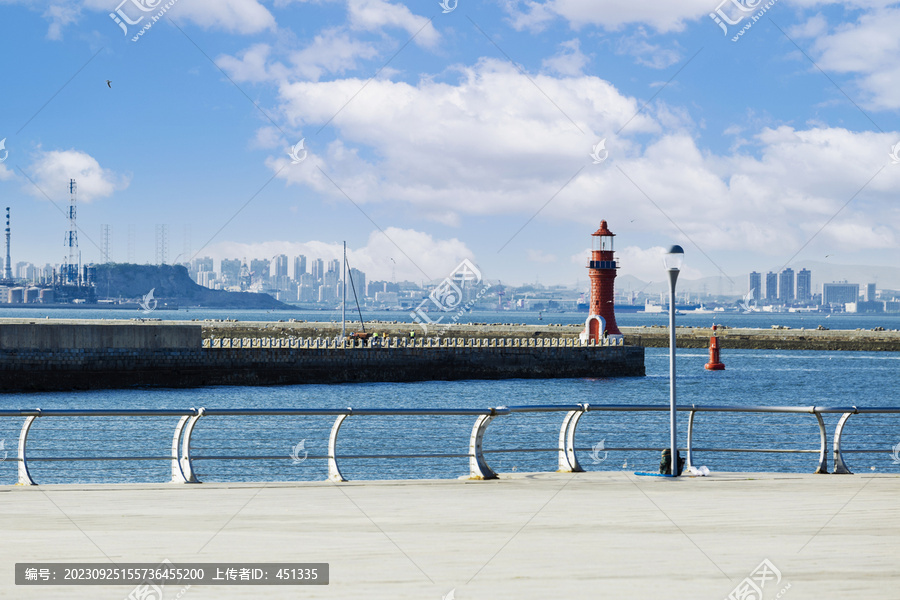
x,y
334,265
357,283
870,292
259,270
804,285
786,285
840,293
771,286
281,267
231,271
299,267
756,285
203,264
318,269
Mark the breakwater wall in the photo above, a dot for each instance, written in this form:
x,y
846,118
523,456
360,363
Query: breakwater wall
x,y
137,359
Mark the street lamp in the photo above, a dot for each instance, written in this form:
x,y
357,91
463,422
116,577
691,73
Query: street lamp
x,y
673,260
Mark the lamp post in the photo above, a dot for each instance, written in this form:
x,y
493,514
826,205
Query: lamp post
x,y
673,260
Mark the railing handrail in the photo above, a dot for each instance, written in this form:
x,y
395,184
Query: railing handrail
x,y
182,470
525,408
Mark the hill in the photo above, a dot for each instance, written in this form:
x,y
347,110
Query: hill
x,y
172,284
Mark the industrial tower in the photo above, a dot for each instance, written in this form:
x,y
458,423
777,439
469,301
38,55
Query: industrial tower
x,y
71,269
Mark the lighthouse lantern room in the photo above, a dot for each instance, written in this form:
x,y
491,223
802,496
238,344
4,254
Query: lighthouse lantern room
x,y
601,320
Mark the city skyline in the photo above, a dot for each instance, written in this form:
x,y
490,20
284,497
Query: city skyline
x,y
498,132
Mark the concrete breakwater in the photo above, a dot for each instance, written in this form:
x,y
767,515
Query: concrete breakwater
x,y
95,355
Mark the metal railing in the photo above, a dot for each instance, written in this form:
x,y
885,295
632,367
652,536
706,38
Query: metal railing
x,y
182,469
404,342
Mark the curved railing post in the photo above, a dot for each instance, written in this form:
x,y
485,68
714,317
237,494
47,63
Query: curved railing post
x,y
568,460
24,475
690,440
840,467
823,449
177,474
334,473
187,468
478,467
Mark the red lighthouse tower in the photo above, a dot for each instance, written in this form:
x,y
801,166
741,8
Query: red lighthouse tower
x,y
602,269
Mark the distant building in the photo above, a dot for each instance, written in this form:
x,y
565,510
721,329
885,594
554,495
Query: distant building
x,y
389,298
804,285
259,270
771,286
840,293
202,264
334,266
299,267
281,267
870,292
318,269
786,285
755,285
358,280
231,271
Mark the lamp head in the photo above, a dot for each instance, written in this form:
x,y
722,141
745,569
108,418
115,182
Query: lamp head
x,y
674,258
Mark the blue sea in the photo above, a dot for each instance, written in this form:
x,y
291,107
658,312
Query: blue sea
x,y
515,443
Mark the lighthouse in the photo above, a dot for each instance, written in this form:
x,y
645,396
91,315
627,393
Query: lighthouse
x,y
602,267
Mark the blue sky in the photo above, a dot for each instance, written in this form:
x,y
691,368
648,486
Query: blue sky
x,y
430,137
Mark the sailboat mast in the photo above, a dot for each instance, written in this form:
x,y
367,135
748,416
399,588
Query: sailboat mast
x,y
344,294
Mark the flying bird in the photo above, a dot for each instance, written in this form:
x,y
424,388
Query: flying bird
x,y
109,84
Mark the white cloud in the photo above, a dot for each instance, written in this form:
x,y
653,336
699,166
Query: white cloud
x,y
650,55
332,51
868,49
569,60
5,172
267,138
373,15
235,16
60,15
404,253
51,171
661,16
492,143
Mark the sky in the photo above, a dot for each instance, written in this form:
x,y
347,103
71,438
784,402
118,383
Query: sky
x,y
755,134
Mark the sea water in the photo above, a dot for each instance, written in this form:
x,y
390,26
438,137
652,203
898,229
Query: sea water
x,y
293,445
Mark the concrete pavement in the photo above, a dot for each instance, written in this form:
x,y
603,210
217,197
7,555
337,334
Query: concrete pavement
x,y
541,536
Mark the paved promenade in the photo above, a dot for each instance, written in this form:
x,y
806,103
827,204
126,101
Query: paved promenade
x,y
543,536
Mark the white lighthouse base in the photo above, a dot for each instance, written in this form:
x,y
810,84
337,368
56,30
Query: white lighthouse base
x,y
594,323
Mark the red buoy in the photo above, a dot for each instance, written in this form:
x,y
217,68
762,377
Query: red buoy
x,y
714,364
